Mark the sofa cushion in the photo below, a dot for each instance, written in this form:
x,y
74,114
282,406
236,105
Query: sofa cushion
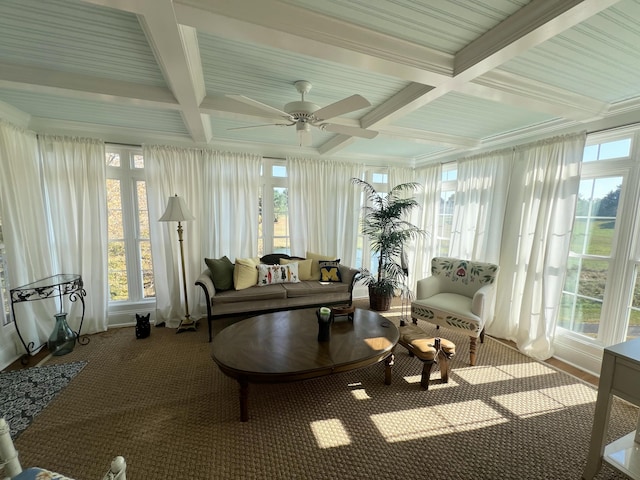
x,y
313,287
245,273
304,267
253,294
221,272
272,274
330,271
315,266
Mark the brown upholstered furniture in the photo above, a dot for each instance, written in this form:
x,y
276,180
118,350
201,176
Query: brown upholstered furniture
x,y
271,298
429,350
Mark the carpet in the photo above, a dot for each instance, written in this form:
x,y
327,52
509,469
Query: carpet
x,y
163,404
25,393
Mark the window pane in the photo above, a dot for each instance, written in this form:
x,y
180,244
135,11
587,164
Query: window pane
x,y
593,277
118,282
143,213
279,171
281,220
147,269
114,209
617,149
113,159
449,173
590,153
580,315
596,212
379,178
138,161
633,330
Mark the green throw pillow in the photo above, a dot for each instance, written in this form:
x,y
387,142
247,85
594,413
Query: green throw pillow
x,y
221,272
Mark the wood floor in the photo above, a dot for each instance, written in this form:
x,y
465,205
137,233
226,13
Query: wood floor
x,y
560,365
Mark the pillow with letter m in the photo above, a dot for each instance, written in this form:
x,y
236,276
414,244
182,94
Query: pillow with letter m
x,y
330,271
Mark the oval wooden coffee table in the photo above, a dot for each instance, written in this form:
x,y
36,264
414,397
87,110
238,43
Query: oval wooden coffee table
x,y
283,347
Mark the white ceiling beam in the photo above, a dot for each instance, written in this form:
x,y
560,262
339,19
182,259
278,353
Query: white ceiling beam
x,y
74,85
509,89
176,51
533,24
432,138
278,25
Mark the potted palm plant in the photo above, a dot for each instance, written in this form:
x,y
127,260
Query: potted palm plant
x,y
385,225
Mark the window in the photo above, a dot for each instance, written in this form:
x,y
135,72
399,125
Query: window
x,y
600,302
273,230
592,244
445,212
379,179
130,268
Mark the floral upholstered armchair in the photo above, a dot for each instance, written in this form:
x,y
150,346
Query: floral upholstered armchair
x,y
459,295
10,464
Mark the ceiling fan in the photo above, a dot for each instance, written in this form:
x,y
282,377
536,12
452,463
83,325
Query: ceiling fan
x,y
305,114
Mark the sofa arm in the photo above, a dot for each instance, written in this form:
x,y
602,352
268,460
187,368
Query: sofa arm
x,y
427,287
349,275
481,299
206,282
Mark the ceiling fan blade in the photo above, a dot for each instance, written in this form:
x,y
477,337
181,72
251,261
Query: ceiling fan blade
x,y
346,105
351,131
262,106
262,125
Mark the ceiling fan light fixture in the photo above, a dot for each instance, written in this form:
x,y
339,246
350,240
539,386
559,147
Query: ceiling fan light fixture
x,y
303,129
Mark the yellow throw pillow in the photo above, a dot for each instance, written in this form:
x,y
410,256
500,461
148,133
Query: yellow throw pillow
x,y
304,267
245,273
315,266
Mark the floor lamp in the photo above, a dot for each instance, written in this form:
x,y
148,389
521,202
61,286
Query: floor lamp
x,y
177,211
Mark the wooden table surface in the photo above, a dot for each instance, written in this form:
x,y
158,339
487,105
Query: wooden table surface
x,y
283,347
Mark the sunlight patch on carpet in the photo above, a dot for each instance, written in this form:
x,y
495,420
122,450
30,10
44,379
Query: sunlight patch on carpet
x,y
436,420
330,433
501,373
529,404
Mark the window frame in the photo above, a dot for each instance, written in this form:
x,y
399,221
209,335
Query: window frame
x,y
129,176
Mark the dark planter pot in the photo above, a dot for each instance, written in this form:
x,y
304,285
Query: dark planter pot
x,y
379,301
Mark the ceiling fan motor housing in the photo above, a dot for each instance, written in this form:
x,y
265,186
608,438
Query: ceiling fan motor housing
x,y
301,109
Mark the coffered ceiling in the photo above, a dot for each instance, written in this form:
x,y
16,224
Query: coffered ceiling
x,y
443,77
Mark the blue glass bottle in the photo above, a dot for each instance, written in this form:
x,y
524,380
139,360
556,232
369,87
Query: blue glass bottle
x,y
62,339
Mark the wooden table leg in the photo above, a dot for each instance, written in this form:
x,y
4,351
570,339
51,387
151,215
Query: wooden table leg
x,y
244,396
388,363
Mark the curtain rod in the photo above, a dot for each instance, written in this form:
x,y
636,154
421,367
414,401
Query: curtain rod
x,y
631,124
123,144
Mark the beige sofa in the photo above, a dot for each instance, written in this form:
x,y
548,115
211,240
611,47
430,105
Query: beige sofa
x,y
283,296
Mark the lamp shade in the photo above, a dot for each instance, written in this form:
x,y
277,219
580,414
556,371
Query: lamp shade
x,y
177,211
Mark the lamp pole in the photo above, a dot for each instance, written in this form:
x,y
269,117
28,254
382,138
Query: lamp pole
x,y
187,323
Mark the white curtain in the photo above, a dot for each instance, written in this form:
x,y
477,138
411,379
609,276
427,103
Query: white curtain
x,y
74,179
325,206
535,243
24,231
426,217
479,207
231,212
221,191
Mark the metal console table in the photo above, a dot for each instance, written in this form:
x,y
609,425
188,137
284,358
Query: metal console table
x,y
55,286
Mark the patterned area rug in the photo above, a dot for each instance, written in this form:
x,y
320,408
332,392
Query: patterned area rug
x,y
25,393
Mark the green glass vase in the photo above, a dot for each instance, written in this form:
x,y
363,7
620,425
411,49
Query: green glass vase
x,y
62,339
